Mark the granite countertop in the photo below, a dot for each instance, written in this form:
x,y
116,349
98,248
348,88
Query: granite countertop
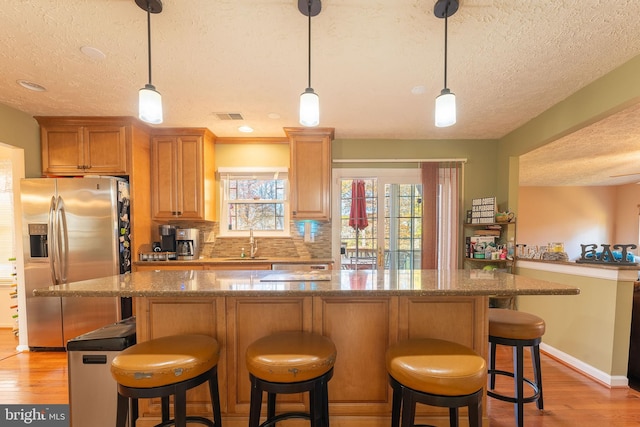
x,y
295,282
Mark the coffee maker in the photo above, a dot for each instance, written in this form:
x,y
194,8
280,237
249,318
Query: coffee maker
x,y
167,238
187,243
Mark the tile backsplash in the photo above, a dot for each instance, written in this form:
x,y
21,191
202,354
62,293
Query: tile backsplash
x,y
290,247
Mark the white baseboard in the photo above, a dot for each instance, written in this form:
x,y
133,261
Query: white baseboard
x,y
602,377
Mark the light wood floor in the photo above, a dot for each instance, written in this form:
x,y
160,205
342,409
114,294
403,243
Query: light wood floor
x,y
570,399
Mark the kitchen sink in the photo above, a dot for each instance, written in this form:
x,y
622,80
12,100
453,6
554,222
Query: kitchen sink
x,y
246,259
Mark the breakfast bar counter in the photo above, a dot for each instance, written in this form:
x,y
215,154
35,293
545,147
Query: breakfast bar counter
x,y
363,312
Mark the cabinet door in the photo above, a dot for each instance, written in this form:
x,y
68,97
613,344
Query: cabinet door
x,y
61,150
164,181
310,173
190,181
105,150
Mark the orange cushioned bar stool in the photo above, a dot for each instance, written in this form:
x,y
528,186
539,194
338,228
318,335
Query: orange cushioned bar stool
x,y
163,367
518,330
290,362
436,373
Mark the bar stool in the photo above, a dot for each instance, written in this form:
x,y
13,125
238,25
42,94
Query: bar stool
x,y
518,330
163,367
290,362
436,373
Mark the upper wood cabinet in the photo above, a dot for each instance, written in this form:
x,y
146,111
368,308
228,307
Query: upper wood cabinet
x,y
85,146
182,174
310,177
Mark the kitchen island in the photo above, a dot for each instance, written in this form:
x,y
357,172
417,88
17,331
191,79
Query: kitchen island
x,y
363,312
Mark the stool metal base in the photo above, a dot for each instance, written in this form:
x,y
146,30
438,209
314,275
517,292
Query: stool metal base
x,y
405,399
318,400
179,391
518,399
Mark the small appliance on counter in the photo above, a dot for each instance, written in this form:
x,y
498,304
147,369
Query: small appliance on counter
x,y
187,243
168,238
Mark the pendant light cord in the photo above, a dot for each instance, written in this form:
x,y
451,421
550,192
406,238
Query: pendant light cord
x,y
446,16
309,41
149,36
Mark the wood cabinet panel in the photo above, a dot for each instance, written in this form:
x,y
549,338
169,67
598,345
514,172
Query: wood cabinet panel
x,y
182,183
61,150
105,149
164,177
359,384
310,176
83,149
454,319
165,317
249,319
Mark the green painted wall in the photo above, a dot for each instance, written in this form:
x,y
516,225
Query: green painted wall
x,y
21,130
593,327
479,171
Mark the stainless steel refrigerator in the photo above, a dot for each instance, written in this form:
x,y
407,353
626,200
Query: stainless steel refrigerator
x,y
73,229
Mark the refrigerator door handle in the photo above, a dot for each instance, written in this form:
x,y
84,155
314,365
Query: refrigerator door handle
x,y
52,240
63,235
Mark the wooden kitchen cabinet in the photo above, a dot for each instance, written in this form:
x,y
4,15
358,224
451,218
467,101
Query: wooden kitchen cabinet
x,y
85,146
182,174
310,177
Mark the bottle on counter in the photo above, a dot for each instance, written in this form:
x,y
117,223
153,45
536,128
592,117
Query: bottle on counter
x,y
243,254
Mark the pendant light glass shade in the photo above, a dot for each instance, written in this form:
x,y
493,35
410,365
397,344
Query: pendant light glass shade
x,y
149,99
445,109
309,108
446,101
150,105
309,100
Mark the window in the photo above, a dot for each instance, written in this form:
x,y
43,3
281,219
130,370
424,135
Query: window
x,y
254,199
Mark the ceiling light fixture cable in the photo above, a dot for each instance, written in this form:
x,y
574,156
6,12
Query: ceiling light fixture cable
x,y
149,99
309,100
446,101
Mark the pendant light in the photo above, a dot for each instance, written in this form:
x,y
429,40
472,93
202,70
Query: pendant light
x,y
309,100
446,102
149,99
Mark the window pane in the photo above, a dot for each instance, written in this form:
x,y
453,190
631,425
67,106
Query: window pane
x,y
256,203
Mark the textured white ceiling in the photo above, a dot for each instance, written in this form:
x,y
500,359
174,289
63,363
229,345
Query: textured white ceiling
x,y
509,60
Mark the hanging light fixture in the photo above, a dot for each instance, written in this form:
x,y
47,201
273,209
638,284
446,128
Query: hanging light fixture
x,y
446,102
309,100
149,99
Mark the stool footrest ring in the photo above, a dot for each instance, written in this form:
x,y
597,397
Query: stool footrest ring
x,y
285,416
512,399
189,419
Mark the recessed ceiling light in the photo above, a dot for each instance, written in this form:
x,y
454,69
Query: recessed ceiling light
x,y
273,115
31,86
245,129
93,53
418,90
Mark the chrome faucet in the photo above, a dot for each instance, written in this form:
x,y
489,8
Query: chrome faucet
x,y
253,244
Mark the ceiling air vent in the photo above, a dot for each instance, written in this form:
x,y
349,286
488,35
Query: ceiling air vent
x,y
229,116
